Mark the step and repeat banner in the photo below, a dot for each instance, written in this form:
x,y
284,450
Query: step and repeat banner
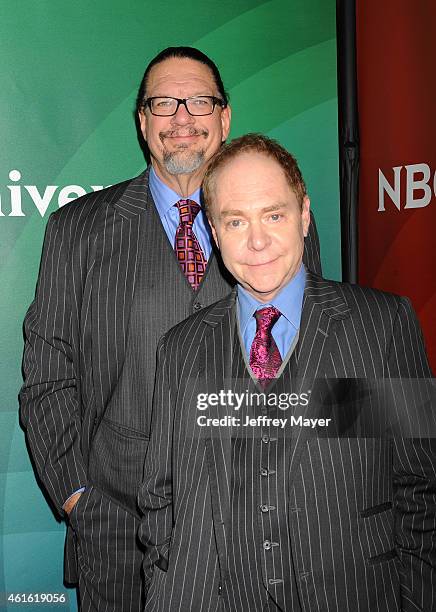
x,y
68,80
396,49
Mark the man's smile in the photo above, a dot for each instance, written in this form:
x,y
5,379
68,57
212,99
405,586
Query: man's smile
x,y
261,264
183,135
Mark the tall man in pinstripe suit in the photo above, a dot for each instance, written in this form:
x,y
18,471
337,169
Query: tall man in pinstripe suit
x,y
243,513
109,287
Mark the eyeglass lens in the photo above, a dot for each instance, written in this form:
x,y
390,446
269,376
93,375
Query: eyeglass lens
x,y
199,105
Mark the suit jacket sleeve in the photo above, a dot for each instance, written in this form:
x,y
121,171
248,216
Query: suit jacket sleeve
x,y
49,406
414,476
155,493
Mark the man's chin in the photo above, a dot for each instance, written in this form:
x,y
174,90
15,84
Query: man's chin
x,y
183,162
262,291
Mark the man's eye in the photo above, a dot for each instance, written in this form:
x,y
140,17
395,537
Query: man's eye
x,y
276,217
165,102
199,101
234,223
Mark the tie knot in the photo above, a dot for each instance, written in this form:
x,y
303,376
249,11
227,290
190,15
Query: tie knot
x,y
188,210
266,317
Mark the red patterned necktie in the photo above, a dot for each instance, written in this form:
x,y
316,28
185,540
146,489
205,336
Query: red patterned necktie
x,y
188,251
265,359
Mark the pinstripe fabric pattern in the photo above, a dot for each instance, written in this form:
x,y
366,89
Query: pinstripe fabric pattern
x,y
83,425
361,513
259,575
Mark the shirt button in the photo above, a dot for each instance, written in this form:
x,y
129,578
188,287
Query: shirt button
x,y
267,544
198,306
266,508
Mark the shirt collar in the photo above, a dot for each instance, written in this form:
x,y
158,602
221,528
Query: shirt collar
x,y
289,301
164,197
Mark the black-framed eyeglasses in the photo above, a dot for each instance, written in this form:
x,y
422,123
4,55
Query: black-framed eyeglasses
x,y
196,105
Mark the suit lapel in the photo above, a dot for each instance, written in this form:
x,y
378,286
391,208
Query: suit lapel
x,y
323,308
119,234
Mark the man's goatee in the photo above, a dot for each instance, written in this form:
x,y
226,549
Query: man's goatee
x,y
179,163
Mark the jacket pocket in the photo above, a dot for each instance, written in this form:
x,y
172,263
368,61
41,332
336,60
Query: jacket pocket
x,y
377,533
116,462
77,508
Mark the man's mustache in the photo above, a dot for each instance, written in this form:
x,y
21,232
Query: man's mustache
x,y
179,132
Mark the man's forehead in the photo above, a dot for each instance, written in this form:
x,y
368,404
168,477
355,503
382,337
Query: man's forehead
x,y
180,72
247,167
252,180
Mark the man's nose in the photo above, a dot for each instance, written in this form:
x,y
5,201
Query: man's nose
x,y
258,237
182,116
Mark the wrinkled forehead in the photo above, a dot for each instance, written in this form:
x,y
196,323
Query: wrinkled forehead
x,y
176,74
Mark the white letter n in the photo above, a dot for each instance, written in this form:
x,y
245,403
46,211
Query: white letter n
x,y
393,192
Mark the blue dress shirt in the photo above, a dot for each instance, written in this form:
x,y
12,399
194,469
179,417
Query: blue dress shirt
x,y
290,303
165,198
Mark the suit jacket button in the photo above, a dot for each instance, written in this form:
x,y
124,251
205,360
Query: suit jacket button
x,y
198,306
267,545
263,472
265,439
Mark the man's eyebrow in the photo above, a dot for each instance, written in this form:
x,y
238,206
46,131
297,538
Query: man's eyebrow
x,y
274,207
236,212
195,95
232,213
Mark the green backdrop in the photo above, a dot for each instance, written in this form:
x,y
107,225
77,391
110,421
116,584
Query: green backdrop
x,y
69,74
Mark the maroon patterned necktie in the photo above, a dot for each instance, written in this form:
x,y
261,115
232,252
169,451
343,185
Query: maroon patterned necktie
x,y
188,251
265,359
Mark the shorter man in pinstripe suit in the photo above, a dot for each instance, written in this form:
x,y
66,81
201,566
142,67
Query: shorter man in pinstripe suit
x,y
269,517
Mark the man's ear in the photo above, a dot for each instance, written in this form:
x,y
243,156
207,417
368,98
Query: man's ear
x,y
305,215
226,118
214,234
143,123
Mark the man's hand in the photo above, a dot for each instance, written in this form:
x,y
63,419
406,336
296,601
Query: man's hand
x,y
71,502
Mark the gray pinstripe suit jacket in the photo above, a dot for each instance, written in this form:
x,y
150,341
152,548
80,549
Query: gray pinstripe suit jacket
x,y
364,534
76,331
